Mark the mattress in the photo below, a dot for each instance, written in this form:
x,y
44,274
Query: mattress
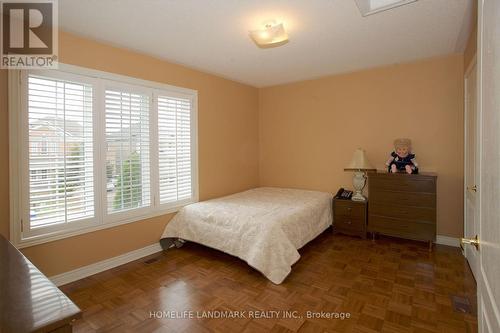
x,y
263,226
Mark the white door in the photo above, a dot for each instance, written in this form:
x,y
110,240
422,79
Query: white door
x,y
471,163
488,272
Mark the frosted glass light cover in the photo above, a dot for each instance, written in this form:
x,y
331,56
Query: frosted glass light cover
x,y
269,35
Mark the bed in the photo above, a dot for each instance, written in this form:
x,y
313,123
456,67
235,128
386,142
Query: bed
x,y
264,226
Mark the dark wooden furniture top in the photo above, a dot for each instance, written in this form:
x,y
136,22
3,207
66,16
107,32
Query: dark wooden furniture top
x,y
403,205
29,302
349,217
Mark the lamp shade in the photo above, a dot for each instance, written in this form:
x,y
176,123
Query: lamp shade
x,y
359,162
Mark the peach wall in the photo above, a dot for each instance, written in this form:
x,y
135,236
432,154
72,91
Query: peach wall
x,y
228,149
309,130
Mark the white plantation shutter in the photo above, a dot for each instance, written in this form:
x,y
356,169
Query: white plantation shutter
x,y
60,156
127,154
91,150
175,147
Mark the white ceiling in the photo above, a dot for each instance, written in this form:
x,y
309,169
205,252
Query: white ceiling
x,y
326,36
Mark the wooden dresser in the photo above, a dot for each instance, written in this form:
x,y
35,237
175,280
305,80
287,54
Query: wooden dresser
x,y
29,302
403,205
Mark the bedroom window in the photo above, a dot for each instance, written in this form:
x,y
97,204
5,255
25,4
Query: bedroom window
x,y
90,150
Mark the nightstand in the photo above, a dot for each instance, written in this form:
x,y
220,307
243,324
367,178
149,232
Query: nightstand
x,y
349,217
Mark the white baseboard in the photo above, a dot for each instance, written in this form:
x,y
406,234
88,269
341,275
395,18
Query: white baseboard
x,y
103,265
450,241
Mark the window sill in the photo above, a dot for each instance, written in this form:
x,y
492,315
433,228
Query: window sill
x,y
61,234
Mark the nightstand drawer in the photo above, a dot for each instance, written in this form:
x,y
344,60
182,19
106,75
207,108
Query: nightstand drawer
x,y
348,209
347,223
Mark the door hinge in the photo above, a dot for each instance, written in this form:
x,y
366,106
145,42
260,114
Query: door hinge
x,y
472,188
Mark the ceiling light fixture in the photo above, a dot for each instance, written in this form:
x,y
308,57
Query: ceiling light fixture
x,y
272,35
369,7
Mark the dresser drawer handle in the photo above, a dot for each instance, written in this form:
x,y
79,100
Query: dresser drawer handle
x,y
348,222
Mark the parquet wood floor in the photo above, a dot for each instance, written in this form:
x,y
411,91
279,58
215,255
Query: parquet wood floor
x,y
391,285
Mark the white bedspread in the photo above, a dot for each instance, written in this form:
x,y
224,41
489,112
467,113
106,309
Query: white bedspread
x,y
263,226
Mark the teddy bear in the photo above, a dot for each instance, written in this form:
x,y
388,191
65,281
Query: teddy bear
x,y
402,158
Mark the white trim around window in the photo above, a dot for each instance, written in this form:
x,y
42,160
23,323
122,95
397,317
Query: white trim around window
x,y
117,120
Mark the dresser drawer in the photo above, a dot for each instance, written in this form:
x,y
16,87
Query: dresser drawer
x,y
347,223
402,228
427,200
348,209
411,213
403,183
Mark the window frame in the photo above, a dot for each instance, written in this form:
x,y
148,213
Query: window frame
x,y
20,234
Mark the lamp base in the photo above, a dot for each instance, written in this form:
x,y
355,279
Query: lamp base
x,y
358,197
358,181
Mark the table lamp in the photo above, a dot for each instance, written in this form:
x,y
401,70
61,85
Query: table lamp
x,y
360,166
